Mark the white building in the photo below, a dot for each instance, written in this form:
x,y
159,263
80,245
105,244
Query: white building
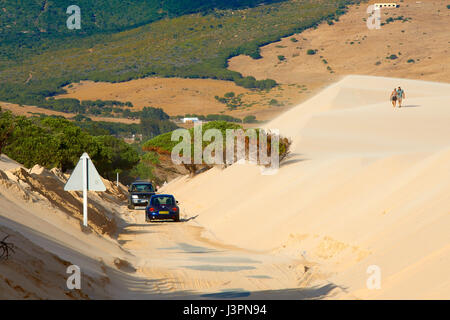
x,y
386,5
189,120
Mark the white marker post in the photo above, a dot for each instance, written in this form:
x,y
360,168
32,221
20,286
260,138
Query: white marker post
x,y
85,159
84,178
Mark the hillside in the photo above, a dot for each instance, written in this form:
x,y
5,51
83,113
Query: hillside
x,y
345,47
411,43
193,46
44,17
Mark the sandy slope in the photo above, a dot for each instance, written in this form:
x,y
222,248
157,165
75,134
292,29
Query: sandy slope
x,y
120,255
43,223
365,184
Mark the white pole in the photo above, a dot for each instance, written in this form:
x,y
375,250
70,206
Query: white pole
x,y
117,182
85,185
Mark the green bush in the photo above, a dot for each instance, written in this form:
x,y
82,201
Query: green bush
x,y
275,103
250,119
56,142
163,144
311,52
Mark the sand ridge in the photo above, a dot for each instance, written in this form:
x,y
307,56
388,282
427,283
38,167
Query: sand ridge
x,y
365,184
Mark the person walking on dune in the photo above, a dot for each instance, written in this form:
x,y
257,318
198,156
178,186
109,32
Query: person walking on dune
x,y
394,97
400,96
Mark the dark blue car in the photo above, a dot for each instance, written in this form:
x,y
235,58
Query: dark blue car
x,y
162,207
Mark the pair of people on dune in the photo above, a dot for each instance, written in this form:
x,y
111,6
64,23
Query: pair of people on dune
x,y
397,95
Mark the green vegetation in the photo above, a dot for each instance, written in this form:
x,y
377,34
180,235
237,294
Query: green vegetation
x,y
6,128
393,19
392,57
100,16
117,42
311,52
163,144
144,169
250,119
99,128
411,61
231,100
150,127
98,107
275,103
153,121
55,142
281,58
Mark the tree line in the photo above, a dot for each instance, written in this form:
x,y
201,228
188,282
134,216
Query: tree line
x,y
56,142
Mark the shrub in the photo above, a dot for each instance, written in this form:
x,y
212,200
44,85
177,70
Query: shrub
x,y
275,103
281,58
411,61
55,142
6,128
163,144
250,119
311,52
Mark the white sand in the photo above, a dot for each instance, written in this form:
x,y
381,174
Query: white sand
x,y
366,184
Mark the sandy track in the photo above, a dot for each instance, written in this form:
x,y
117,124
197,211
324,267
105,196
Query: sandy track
x,y
188,265
140,261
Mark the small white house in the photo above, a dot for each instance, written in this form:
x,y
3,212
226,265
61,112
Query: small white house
x,y
386,5
190,120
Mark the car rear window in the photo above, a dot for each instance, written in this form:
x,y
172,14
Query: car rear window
x,y
142,188
162,201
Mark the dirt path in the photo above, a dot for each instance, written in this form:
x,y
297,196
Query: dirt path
x,y
180,263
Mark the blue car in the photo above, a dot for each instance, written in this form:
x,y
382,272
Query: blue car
x,y
162,207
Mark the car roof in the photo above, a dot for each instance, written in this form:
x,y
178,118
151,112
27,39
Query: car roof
x,y
141,182
162,195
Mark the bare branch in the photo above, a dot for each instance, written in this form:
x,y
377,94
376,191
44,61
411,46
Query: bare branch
x,y
6,248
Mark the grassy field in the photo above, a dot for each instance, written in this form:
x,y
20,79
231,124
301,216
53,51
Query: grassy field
x,y
194,46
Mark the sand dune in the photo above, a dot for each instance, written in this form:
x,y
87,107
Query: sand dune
x,y
44,225
366,184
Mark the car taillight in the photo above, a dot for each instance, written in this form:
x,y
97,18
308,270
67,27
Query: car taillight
x,y
152,209
174,209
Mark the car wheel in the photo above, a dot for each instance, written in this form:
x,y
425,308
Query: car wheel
x,y
177,218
